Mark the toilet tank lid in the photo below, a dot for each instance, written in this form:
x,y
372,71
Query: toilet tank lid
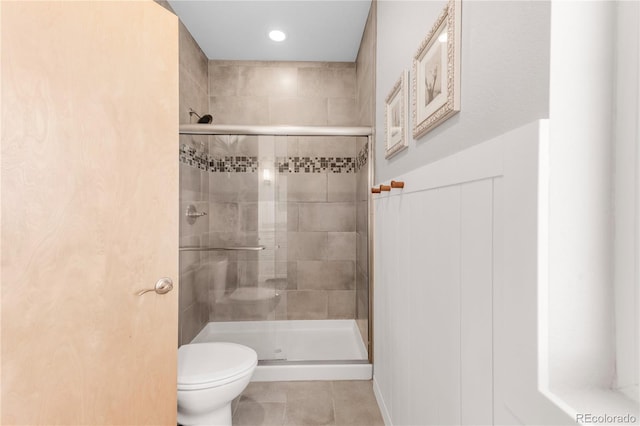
x,y
211,362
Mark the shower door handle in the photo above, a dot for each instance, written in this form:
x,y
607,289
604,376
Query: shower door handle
x,y
163,286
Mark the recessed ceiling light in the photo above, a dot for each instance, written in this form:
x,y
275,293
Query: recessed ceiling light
x,y
277,35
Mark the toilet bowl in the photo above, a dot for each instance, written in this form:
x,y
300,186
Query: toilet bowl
x,y
210,376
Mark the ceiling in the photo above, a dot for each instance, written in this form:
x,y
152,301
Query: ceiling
x,y
317,30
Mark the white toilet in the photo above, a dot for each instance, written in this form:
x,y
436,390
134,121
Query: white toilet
x,y
210,376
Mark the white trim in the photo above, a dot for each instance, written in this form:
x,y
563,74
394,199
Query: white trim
x,y
482,161
279,373
386,417
543,262
626,185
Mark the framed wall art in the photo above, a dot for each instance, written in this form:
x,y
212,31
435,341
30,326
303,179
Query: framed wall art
x,y
396,117
436,72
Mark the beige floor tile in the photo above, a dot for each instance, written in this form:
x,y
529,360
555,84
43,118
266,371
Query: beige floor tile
x,y
355,404
234,404
309,412
251,413
265,392
360,415
309,403
313,403
354,390
320,391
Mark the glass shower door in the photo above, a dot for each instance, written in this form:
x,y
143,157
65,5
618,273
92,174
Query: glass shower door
x,y
291,213
246,219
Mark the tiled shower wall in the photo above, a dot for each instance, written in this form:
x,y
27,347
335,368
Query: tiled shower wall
x,y
295,93
313,200
317,249
194,189
321,238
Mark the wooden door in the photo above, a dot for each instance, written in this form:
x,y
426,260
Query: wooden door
x,y
89,212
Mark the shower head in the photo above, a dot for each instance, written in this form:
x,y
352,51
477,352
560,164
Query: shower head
x,y
205,119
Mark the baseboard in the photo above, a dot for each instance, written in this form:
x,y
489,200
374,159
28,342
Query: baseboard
x,y
383,408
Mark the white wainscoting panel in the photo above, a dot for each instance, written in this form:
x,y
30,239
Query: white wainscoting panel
x,y
476,335
442,284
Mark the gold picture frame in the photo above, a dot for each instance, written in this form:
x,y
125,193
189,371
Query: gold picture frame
x,y
436,72
395,112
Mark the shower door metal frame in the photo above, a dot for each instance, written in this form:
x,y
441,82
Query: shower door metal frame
x,y
370,243
229,129
355,131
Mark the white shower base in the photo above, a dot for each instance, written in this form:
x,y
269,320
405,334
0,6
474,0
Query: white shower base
x,y
297,350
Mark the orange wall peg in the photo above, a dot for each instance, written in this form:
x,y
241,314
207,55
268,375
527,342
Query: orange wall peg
x,y
397,184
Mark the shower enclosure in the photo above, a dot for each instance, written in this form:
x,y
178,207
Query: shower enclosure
x,y
275,246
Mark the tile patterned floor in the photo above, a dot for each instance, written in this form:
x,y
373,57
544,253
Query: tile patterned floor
x,y
341,403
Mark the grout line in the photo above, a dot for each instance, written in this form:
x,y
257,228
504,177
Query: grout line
x,y
284,413
333,403
286,403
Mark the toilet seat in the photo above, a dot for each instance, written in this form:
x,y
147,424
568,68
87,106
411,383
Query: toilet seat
x,y
207,365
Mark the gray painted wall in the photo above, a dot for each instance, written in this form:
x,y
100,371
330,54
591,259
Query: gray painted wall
x,y
504,73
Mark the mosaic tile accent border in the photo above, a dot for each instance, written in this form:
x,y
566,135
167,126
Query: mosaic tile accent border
x,y
245,164
203,161
316,164
238,164
194,158
361,159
